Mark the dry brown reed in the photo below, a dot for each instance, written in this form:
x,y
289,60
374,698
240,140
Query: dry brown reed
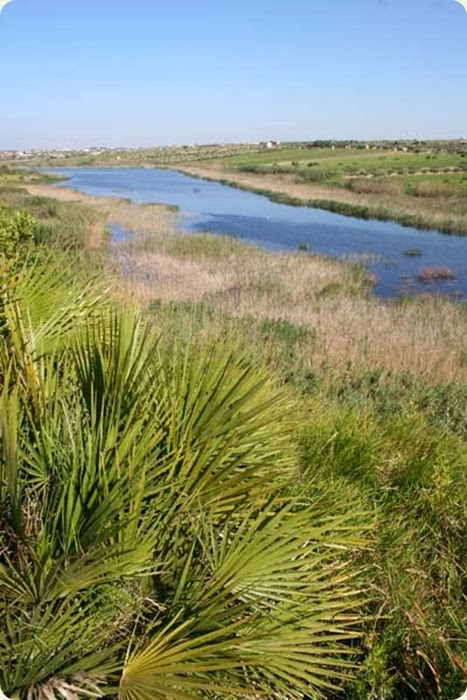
x,y
435,272
352,331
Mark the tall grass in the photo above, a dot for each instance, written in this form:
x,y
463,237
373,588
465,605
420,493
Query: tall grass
x,y
185,490
352,332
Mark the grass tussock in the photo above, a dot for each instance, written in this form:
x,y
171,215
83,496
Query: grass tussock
x,y
434,273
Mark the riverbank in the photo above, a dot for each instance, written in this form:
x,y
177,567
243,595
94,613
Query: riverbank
x,y
427,213
344,325
114,211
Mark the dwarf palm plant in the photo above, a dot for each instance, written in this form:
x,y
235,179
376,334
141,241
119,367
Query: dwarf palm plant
x,y
149,544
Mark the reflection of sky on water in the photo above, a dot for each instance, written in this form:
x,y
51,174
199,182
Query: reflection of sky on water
x,y
254,218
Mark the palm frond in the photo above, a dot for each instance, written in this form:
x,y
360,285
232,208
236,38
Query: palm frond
x,y
272,601
146,513
56,640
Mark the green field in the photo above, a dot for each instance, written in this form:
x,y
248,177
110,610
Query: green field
x,y
336,166
348,159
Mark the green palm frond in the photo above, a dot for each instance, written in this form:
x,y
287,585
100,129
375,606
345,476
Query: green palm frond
x,y
70,506
47,305
41,642
148,536
270,607
229,431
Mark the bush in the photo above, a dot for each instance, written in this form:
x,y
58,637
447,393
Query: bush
x,y
16,231
151,544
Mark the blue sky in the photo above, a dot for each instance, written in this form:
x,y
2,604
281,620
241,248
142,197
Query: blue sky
x,y
153,72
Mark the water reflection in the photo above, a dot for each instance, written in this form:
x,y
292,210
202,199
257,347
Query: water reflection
x,y
397,256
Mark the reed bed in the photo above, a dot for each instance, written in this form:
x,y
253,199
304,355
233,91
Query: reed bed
x,y
352,331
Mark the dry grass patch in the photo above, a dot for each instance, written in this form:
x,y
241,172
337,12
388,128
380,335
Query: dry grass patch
x,y
234,277
424,338
157,276
149,219
352,331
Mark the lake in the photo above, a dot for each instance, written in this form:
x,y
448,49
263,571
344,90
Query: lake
x,y
394,254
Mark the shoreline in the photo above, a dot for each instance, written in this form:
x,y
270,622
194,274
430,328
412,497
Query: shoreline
x,y
149,219
284,192
284,189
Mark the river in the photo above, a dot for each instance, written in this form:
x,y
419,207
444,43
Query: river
x,y
397,256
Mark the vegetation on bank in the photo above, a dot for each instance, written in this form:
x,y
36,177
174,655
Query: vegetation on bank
x,y
419,218
422,184
276,513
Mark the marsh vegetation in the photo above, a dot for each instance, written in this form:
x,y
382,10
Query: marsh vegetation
x,y
422,184
380,246
223,472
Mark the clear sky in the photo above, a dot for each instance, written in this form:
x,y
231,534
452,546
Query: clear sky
x,y
152,72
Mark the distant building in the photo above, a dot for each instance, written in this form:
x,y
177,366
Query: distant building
x,y
269,144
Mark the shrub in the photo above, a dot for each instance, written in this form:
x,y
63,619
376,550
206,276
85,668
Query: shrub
x,y
16,231
151,545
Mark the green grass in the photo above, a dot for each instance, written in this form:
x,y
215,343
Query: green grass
x,y
64,225
415,477
347,161
13,175
408,168
200,245
169,435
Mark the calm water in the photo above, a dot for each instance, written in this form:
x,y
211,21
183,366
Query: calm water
x,y
255,219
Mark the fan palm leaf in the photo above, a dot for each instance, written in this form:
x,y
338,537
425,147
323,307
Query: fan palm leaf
x,y
147,526
270,607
